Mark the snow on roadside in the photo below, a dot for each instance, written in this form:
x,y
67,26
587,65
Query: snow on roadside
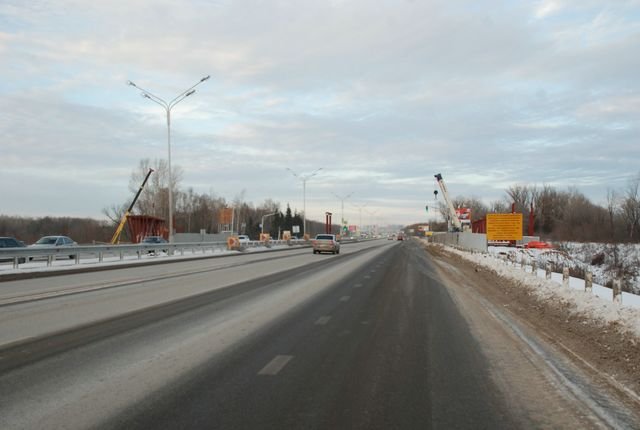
x,y
597,306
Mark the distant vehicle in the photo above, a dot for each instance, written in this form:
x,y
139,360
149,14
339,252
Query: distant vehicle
x,y
243,239
391,237
400,236
54,241
10,242
150,240
154,239
325,243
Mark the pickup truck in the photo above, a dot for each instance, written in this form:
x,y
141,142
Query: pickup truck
x,y
325,243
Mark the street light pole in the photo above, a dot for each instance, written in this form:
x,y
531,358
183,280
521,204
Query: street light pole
x,y
262,224
342,199
373,220
360,207
304,179
167,107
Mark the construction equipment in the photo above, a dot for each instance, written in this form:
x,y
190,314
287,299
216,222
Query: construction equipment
x,y
123,221
454,221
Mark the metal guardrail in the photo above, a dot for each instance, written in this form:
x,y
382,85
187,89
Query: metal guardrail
x,y
23,255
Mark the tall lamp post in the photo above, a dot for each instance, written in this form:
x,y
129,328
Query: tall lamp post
x,y
167,106
262,223
304,179
360,207
372,214
342,199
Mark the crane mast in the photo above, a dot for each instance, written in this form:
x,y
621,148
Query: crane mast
x,y
455,221
123,221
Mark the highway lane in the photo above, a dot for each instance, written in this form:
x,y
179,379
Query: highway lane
x,y
376,337
109,293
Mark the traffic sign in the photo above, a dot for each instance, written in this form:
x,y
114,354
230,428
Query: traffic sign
x,y
504,226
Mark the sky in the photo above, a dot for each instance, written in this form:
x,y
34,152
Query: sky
x,y
380,95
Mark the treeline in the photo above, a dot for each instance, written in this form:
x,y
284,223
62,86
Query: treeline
x,y
568,215
203,211
192,212
29,230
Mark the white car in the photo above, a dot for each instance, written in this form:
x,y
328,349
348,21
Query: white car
x,y
243,239
54,241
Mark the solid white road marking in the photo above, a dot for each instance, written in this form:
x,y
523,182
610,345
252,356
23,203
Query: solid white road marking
x,y
345,298
275,365
323,320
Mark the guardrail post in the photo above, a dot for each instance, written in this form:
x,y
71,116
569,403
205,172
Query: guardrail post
x,y
139,254
588,281
565,277
523,264
534,269
121,255
49,260
181,251
547,274
100,256
617,291
15,262
77,258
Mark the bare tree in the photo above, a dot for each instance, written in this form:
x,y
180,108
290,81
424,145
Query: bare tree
x,y
630,206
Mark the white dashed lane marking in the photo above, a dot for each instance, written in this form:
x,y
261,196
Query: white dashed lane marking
x,y
357,286
323,320
275,365
345,298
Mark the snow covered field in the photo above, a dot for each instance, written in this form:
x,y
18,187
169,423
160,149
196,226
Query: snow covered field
x,y
599,258
598,305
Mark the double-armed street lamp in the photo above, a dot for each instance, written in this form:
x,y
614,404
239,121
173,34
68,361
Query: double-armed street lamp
x,y
304,179
373,221
262,223
342,199
167,106
360,207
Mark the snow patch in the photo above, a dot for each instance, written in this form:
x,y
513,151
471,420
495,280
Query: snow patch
x,y
597,306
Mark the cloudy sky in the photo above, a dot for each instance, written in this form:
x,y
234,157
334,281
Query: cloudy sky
x,y
380,94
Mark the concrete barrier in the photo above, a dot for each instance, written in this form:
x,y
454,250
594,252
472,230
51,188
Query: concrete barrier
x,y
466,241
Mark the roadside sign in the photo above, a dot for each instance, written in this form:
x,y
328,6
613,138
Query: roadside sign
x,y
504,226
296,228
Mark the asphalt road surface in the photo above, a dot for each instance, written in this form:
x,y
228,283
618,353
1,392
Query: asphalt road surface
x,y
378,337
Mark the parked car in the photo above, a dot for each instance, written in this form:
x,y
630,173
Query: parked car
x,y
10,242
54,241
243,239
325,243
150,240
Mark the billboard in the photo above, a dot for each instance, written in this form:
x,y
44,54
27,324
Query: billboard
x,y
225,216
504,227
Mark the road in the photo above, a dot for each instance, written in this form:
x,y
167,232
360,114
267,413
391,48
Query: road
x,y
381,336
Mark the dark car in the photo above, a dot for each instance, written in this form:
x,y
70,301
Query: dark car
x,y
150,240
10,242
